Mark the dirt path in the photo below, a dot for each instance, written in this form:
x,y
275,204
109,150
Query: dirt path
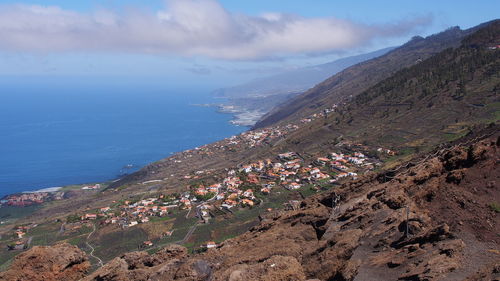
x,y
189,212
92,248
188,234
61,230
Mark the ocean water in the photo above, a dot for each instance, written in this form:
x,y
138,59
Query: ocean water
x,y
69,132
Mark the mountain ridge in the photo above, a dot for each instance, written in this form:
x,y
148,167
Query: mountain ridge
x,y
348,82
260,95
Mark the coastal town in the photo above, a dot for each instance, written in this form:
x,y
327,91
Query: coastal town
x,y
242,187
26,199
250,138
208,193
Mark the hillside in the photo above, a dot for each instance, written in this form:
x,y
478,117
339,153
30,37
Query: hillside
x,y
342,174
356,79
453,232
436,100
435,220
262,94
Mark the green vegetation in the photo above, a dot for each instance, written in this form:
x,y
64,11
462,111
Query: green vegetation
x,y
112,244
160,219
6,259
241,220
307,190
495,207
435,100
242,175
11,214
78,241
205,197
404,155
73,218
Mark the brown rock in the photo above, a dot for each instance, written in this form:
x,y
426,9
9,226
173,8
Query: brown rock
x,y
58,262
432,168
194,270
439,233
455,176
276,268
455,159
162,265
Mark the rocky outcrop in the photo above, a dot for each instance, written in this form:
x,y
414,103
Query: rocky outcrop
x,y
58,262
142,266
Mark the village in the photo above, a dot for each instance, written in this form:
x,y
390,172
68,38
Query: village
x,y
28,199
209,193
241,187
250,138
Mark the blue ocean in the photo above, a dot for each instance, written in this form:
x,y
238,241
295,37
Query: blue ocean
x,y
58,132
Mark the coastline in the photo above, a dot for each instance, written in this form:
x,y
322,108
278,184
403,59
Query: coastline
x,y
240,119
48,189
98,145
241,116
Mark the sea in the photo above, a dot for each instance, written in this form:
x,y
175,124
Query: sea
x,y
57,132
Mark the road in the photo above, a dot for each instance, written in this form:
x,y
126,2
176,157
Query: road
x,y
92,248
61,230
188,234
189,212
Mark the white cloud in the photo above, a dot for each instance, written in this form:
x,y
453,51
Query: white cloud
x,y
187,28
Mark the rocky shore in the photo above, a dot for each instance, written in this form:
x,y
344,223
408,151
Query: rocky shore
x,y
241,115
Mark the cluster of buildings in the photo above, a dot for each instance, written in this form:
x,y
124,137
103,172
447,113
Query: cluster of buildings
x,y
262,136
246,139
19,235
322,114
240,186
129,213
91,187
250,139
28,199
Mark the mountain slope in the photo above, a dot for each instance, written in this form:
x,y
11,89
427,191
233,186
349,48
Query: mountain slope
x,y
361,77
436,100
262,94
294,81
452,232
394,112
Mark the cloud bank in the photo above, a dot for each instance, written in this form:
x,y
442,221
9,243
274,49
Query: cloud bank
x,y
187,28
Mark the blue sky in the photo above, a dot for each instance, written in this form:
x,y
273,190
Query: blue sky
x,y
458,12
213,42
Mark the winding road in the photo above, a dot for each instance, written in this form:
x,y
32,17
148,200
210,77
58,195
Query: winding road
x,y
92,248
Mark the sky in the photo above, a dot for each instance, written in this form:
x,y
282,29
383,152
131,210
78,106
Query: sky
x,y
210,42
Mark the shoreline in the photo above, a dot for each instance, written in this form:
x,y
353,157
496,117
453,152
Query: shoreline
x,y
53,189
241,118
47,189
